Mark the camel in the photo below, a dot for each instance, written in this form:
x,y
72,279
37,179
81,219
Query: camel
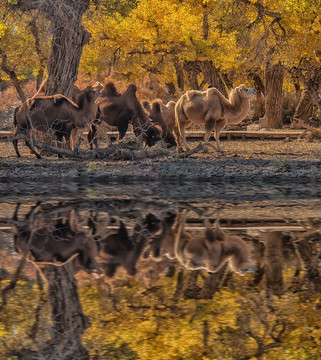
x,y
120,110
156,115
211,108
168,112
118,248
211,251
55,113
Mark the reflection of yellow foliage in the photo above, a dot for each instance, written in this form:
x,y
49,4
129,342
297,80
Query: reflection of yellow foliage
x,y
156,327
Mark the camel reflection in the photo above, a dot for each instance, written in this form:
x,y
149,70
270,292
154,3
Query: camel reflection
x,y
54,240
120,249
211,250
208,251
59,237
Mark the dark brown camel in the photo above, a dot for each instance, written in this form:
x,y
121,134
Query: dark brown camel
x,y
56,114
120,110
156,115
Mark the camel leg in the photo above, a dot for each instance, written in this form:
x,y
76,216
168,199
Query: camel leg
x,y
122,127
92,136
15,144
181,121
219,126
175,132
181,128
59,137
209,126
180,230
29,143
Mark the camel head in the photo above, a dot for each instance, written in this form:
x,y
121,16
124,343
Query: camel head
x,y
245,92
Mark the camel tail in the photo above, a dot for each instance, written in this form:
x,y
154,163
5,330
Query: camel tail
x,y
15,121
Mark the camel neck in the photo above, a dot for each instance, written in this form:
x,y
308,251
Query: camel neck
x,y
238,110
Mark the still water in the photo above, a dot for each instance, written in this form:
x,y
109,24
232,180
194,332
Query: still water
x,y
148,271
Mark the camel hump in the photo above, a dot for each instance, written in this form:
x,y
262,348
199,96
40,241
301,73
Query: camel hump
x,y
59,99
213,91
131,89
171,104
156,106
56,100
122,232
146,105
109,89
193,94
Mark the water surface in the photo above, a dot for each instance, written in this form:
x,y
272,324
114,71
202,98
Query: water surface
x,y
160,271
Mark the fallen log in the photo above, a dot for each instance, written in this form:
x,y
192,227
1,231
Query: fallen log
x,y
122,151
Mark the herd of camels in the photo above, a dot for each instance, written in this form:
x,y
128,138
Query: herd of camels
x,y
152,122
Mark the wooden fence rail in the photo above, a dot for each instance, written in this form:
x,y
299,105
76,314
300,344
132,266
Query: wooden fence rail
x,y
228,134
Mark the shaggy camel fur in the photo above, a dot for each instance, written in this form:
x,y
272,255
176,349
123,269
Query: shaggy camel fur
x,y
212,251
211,108
156,115
53,113
120,110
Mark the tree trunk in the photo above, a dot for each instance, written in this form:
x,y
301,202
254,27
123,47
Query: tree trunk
x,y
212,283
192,291
206,26
13,76
179,286
179,74
274,75
192,70
308,253
64,59
42,58
260,98
305,108
273,262
309,98
212,76
296,82
68,39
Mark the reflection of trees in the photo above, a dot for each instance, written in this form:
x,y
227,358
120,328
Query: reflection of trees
x,y
190,314
68,320
273,261
48,241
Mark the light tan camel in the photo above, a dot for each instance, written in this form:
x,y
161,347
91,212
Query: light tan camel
x,y
211,108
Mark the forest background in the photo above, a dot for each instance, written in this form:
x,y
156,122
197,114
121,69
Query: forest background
x,y
166,47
